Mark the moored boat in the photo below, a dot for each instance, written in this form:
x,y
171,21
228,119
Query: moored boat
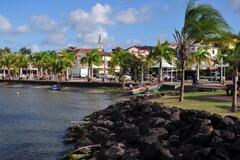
x,y
138,90
56,87
143,89
154,86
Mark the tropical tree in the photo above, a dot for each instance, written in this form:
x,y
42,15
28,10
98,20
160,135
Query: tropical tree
x,y
202,24
7,49
231,55
42,61
198,57
25,50
22,61
68,60
9,62
123,59
161,52
92,58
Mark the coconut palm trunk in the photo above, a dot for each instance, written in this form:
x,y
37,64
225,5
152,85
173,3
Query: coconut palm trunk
x,y
198,71
181,98
160,71
235,89
9,73
20,72
4,72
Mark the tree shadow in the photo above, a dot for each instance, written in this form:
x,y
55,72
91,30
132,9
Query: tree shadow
x,y
220,98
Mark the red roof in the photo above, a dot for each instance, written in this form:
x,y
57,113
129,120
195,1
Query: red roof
x,y
81,52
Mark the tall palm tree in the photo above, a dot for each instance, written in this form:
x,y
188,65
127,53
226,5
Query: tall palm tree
x,y
92,58
123,59
22,61
68,59
161,52
231,55
202,23
40,61
9,61
3,53
198,57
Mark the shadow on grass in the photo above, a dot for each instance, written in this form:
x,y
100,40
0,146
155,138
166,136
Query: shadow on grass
x,y
224,107
210,98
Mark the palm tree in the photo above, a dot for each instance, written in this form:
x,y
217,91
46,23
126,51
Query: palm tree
x,y
161,52
9,61
124,60
92,58
202,23
68,59
199,56
3,53
40,61
22,61
231,55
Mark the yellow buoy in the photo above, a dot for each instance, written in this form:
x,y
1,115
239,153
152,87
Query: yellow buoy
x,y
17,93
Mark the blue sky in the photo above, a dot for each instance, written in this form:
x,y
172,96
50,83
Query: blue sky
x,y
55,24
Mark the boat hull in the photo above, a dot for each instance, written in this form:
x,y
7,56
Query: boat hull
x,y
144,89
56,87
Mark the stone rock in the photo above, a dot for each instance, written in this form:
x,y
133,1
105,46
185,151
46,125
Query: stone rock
x,y
131,154
138,129
156,122
236,145
115,151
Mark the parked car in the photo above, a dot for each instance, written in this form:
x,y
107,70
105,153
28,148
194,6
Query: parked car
x,y
107,76
127,77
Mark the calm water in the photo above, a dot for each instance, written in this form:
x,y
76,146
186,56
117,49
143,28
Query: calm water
x,y
33,124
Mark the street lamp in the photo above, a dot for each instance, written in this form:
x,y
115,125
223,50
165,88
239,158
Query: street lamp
x,y
142,68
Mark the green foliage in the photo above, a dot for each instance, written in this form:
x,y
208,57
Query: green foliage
x,y
123,59
203,23
25,50
199,56
231,55
92,57
163,51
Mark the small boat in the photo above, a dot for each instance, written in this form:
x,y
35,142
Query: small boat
x,y
56,87
143,89
154,86
138,90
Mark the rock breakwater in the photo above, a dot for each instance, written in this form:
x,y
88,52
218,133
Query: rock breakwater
x,y
138,129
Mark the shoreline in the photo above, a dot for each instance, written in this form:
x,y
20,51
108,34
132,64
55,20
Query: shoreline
x,y
138,129
64,83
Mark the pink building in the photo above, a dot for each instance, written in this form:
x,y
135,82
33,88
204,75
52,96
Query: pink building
x,y
140,50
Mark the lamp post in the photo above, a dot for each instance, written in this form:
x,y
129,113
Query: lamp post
x,y
171,72
142,68
221,79
104,68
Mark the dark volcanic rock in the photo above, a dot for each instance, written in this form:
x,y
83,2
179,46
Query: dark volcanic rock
x,y
139,130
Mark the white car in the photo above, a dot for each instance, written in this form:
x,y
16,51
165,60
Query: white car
x,y
127,77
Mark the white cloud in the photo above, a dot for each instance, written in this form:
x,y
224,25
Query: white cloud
x,y
92,37
35,48
22,29
55,38
235,4
88,25
99,15
133,15
43,24
55,32
5,25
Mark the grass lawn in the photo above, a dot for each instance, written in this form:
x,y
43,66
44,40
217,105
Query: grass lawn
x,y
214,102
